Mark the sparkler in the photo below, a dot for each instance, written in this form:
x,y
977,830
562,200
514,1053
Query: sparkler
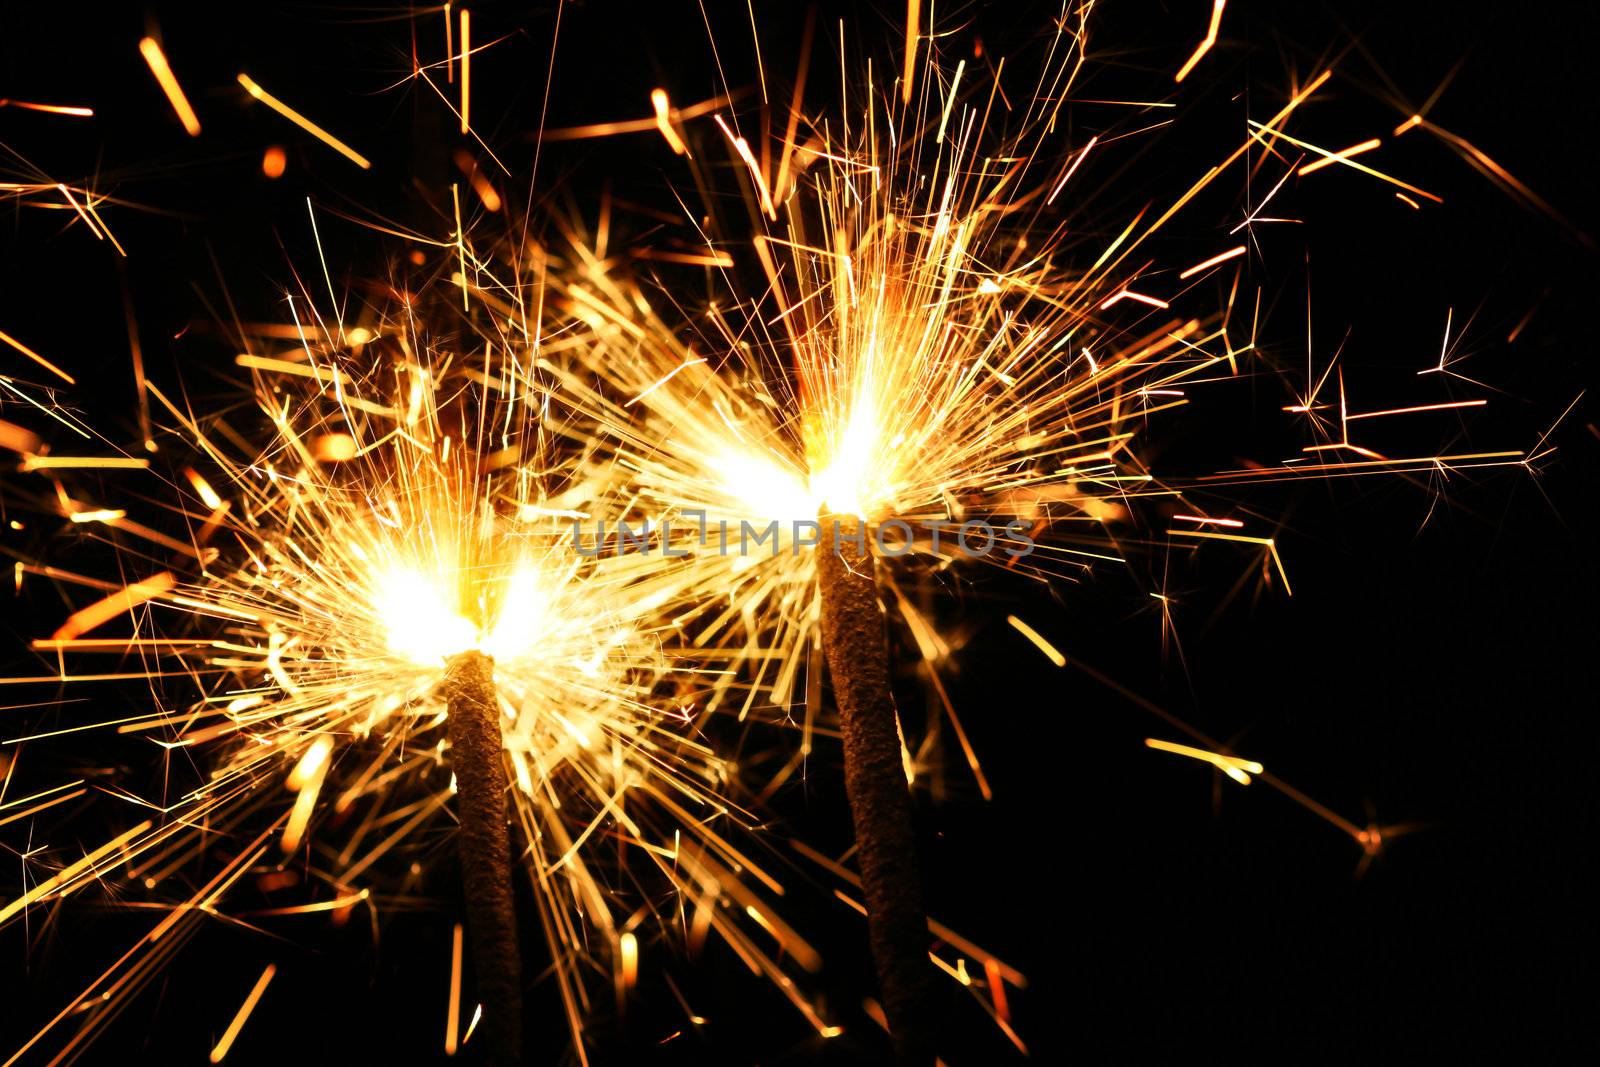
x,y
388,588
375,560
934,345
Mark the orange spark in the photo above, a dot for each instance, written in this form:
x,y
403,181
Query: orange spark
x,y
37,358
54,109
1419,407
1205,45
1204,521
1340,156
1129,294
304,123
153,55
274,162
1221,257
118,603
18,439
628,950
1038,640
913,31
42,463
466,70
249,1005
658,100
452,1019
1232,766
741,146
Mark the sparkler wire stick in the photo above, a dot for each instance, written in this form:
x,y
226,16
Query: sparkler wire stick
x,y
855,644
475,756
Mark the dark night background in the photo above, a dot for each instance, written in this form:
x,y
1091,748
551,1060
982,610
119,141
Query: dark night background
x,y
1432,671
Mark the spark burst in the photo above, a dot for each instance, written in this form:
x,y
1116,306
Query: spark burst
x,y
912,328
399,517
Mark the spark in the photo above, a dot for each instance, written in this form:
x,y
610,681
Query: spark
x,y
151,50
53,109
1205,45
37,358
1221,257
1128,294
1339,157
1449,406
913,35
1038,641
255,90
231,1034
44,463
466,70
453,1014
1234,767
663,110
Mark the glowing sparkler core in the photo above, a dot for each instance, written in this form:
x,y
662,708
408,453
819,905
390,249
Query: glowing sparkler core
x,y
422,626
426,629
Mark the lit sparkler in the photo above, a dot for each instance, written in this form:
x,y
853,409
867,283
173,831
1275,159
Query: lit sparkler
x,y
342,601
928,342
932,346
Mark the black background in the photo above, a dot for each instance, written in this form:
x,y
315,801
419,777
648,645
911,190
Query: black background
x,y
1434,669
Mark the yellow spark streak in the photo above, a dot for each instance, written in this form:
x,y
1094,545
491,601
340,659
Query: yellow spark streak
x,y
658,101
43,463
1038,640
337,904
203,488
1205,45
153,55
232,1032
304,123
1221,257
1232,766
466,70
1267,542
88,203
43,805
663,381
54,109
452,1019
742,147
1261,130
103,515
37,358
82,214
913,33
1340,156
1129,294
306,780
67,874
1211,522
949,101
611,129
1410,123
122,601
1419,407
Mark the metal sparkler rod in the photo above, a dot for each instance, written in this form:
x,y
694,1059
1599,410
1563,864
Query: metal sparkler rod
x,y
475,756
856,646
